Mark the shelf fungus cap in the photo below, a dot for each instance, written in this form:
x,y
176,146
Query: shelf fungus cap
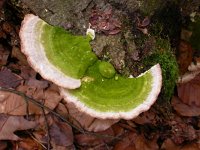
x,y
54,53
118,97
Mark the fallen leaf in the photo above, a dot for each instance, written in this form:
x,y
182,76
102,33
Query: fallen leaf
x,y
184,109
10,124
8,27
146,117
195,66
185,56
14,104
88,122
103,20
99,139
61,134
28,144
168,144
9,79
16,53
141,143
182,132
87,140
26,72
58,147
3,145
127,143
189,92
52,96
135,141
4,53
39,84
118,130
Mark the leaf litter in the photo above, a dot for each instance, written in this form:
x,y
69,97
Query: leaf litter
x,y
150,130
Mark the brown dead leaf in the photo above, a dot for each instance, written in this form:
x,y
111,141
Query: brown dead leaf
x,y
61,134
104,20
17,105
94,141
52,96
26,72
168,144
87,122
16,53
58,147
8,27
3,145
144,144
133,141
118,130
146,117
28,144
39,84
184,109
13,104
87,140
182,132
127,143
185,55
10,124
9,79
189,92
4,53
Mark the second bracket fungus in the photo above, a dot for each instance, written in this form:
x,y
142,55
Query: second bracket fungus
x,y
91,85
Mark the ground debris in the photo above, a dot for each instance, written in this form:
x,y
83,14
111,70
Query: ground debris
x,y
177,129
10,124
9,79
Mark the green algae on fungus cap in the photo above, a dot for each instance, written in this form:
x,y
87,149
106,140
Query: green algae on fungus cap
x,y
55,53
108,98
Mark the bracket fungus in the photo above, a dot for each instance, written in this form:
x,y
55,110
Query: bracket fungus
x,y
93,86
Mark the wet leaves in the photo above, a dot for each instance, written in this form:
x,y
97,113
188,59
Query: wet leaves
x,y
103,20
10,124
185,56
9,79
184,109
150,131
4,53
28,144
61,134
189,93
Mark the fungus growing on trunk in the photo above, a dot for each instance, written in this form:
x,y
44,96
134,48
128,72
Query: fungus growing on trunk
x,y
91,85
55,53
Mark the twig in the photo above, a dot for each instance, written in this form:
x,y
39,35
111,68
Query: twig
x,y
36,140
40,105
47,128
27,110
56,114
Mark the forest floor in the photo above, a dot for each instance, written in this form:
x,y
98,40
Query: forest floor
x,y
33,115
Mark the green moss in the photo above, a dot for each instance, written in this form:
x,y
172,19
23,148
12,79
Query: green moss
x,y
164,56
149,6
